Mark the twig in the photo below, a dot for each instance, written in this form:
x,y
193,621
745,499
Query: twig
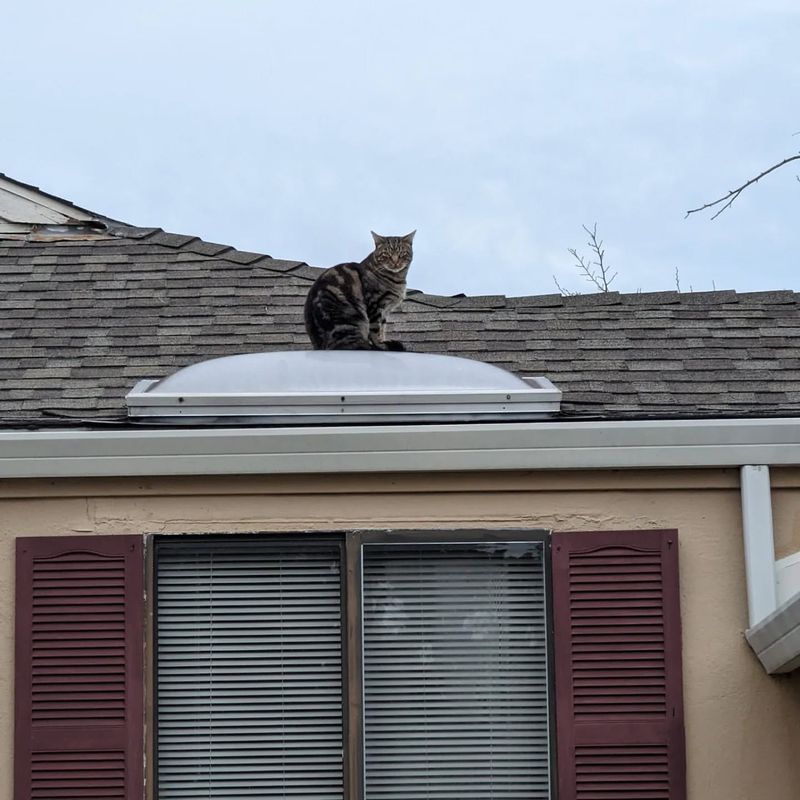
x,y
601,280
677,280
734,193
564,292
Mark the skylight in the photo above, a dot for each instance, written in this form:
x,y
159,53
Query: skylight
x,y
338,386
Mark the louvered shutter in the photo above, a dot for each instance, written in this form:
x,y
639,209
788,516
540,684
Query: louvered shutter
x,y
455,672
618,666
79,668
249,670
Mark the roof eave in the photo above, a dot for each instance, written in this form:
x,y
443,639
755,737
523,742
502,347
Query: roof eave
x,y
548,445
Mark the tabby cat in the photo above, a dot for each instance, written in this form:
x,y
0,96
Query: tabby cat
x,y
347,306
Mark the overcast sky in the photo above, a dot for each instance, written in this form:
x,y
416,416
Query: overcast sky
x,y
496,129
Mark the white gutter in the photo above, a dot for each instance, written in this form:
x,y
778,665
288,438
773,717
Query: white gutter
x,y
404,448
774,632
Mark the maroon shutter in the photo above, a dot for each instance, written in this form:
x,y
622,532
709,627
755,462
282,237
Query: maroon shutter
x,y
619,710
79,668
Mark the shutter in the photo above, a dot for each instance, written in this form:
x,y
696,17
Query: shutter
x,y
618,666
455,672
249,670
79,668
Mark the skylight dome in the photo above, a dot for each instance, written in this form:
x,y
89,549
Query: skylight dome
x,y
338,386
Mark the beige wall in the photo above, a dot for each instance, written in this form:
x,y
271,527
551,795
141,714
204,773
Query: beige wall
x,y
742,726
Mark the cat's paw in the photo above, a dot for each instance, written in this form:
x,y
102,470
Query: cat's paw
x,y
395,346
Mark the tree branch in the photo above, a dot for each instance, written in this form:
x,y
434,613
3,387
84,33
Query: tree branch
x,y
564,292
728,199
601,280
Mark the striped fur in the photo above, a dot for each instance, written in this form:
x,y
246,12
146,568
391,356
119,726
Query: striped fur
x,y
347,306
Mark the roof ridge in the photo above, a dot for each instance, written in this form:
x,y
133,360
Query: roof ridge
x,y
303,270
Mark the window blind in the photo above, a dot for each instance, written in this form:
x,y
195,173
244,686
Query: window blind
x,y
455,672
249,670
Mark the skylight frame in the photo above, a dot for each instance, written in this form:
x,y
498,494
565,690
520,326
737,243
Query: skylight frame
x,y
514,399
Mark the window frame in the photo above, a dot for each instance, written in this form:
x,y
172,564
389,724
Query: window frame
x,y
351,544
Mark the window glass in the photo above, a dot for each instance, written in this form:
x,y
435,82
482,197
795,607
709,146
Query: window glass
x,y
249,670
455,672
251,685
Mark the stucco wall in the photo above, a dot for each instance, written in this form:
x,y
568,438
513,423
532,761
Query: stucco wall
x,y
742,727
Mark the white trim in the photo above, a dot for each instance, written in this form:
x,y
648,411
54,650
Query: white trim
x,y
14,227
759,547
390,448
23,204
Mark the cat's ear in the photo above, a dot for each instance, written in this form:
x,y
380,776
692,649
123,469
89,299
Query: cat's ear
x,y
377,238
409,237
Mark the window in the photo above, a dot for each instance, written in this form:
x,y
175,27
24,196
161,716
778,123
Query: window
x,y
251,667
455,671
363,666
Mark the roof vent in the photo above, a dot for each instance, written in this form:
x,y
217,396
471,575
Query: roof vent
x,y
340,386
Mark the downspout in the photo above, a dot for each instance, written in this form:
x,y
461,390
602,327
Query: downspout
x,y
759,543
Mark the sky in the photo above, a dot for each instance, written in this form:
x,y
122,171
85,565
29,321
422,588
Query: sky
x,y
495,129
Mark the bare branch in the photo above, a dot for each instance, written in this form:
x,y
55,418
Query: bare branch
x,y
727,200
564,292
600,277
677,280
597,272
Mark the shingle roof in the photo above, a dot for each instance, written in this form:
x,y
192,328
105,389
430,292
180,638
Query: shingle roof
x,y
81,322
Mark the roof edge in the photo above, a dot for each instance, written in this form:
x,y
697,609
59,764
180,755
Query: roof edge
x,y
401,448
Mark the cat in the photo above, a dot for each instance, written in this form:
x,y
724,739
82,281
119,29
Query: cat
x,y
347,306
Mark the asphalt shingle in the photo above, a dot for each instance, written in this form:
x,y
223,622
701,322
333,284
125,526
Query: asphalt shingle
x,y
81,322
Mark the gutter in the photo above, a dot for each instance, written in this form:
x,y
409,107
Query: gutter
x,y
629,444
